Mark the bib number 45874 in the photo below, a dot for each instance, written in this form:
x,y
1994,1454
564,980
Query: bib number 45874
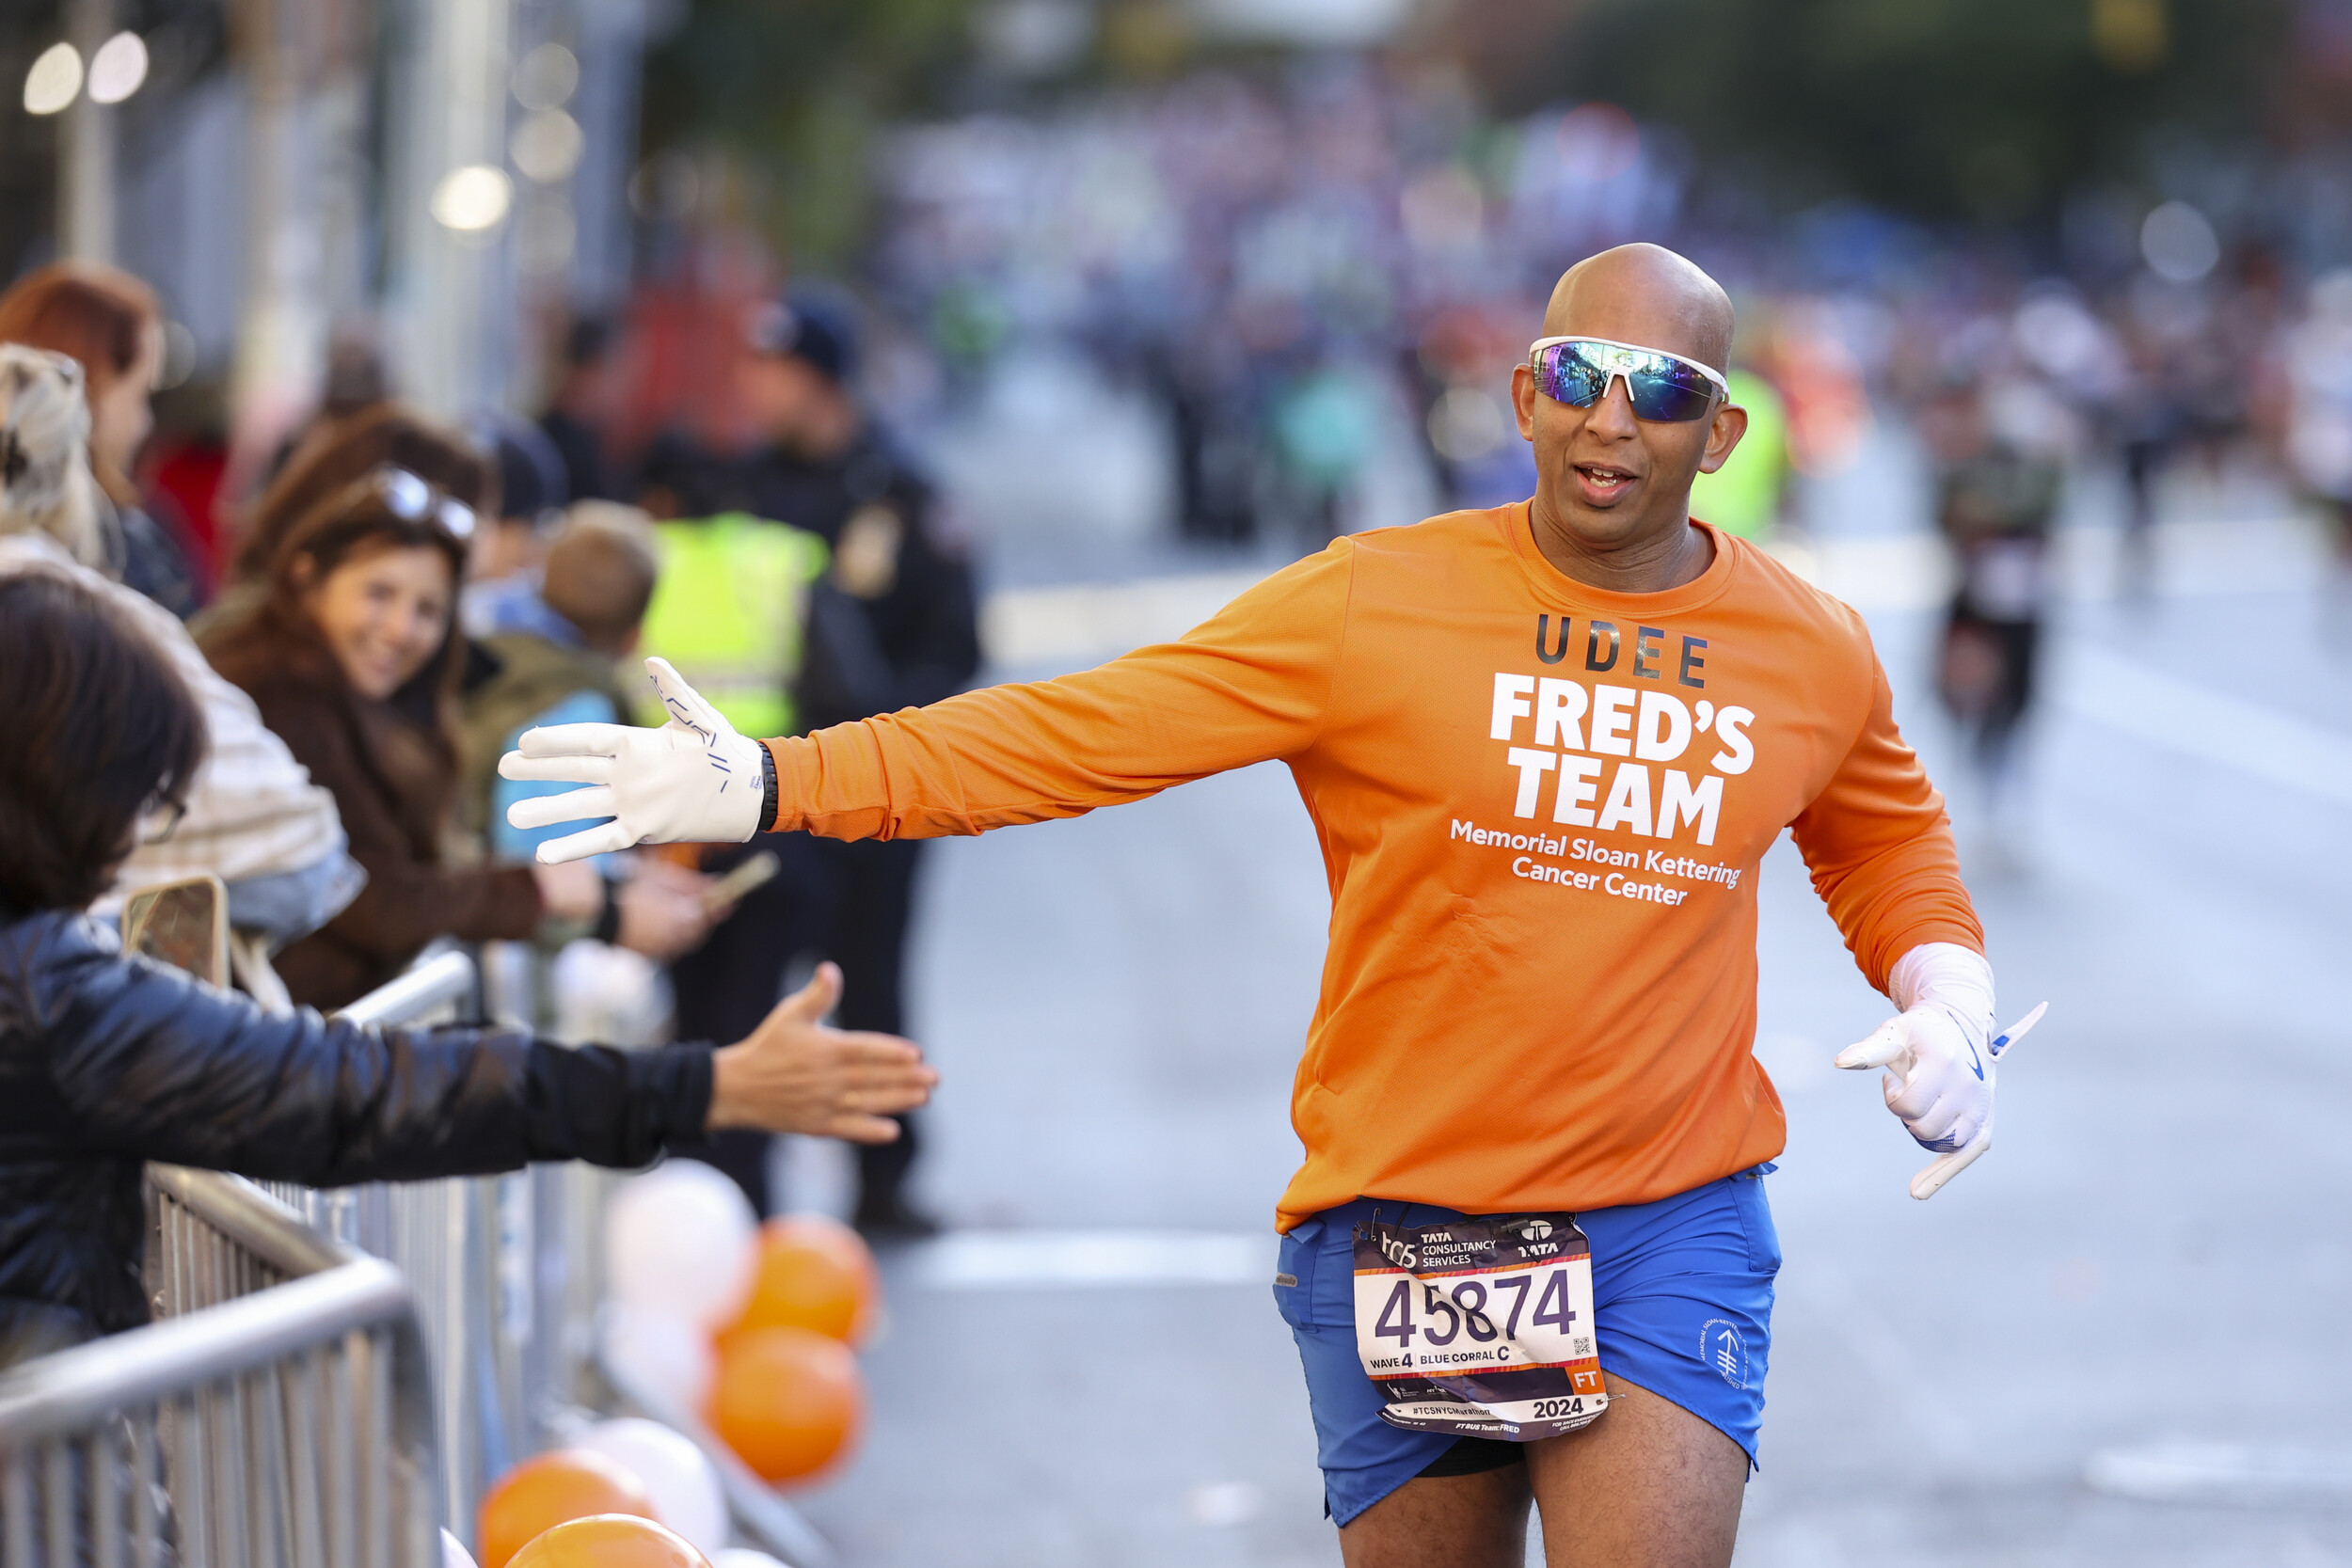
x,y
1447,1314
1480,1326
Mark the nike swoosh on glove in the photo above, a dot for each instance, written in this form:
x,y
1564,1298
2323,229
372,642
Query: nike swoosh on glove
x,y
1940,1053
693,781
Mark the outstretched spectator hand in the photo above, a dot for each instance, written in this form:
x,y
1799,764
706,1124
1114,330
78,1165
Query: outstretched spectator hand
x,y
665,909
797,1074
138,1061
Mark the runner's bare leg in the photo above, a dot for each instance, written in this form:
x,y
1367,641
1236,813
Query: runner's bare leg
x,y
1648,1485
1444,1522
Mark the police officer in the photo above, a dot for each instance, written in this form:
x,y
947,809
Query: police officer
x,y
892,623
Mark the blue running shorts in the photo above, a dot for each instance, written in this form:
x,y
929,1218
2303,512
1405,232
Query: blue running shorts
x,y
1682,1298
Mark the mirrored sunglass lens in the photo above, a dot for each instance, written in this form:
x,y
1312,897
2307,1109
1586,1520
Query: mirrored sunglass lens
x,y
457,518
1571,377
1674,398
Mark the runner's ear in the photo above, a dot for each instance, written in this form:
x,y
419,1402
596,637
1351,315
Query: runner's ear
x,y
1723,431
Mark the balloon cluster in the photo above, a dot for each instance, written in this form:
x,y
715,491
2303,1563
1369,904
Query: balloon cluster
x,y
751,1326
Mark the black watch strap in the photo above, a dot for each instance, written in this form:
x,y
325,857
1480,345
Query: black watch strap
x,y
768,789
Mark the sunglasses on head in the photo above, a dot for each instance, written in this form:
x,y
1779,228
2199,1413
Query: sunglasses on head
x,y
413,500
1661,386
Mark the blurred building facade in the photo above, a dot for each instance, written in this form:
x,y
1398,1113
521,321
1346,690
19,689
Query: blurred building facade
x,y
430,182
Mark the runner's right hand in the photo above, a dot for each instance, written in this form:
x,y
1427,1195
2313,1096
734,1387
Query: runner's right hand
x,y
693,781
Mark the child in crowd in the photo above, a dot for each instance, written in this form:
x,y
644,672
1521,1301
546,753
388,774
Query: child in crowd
x,y
556,656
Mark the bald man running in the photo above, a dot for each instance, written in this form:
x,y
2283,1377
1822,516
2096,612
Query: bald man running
x,y
1544,746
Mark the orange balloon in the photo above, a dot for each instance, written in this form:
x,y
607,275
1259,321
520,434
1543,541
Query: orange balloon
x,y
815,1274
787,1400
609,1541
539,1494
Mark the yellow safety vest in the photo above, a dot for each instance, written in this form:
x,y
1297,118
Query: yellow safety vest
x,y
728,611
1743,496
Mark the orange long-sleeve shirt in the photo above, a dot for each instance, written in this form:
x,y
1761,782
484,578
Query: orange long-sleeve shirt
x,y
1541,807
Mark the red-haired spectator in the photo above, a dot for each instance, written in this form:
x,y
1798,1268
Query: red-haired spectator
x,y
113,325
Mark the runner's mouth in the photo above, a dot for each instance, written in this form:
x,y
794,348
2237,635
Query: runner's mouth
x,y
1602,483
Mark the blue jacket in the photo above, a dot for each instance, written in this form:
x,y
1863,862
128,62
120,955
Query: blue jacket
x,y
108,1061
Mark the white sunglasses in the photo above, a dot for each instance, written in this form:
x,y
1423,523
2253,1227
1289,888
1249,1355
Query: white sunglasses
x,y
1577,370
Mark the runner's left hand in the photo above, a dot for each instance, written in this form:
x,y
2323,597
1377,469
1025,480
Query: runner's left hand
x,y
1940,1057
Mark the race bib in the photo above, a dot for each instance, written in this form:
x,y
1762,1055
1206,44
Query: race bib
x,y
1482,1326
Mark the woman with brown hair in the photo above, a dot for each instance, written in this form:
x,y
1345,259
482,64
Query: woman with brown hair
x,y
336,451
350,653
113,324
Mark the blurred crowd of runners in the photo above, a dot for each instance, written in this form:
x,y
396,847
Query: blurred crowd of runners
x,y
1286,263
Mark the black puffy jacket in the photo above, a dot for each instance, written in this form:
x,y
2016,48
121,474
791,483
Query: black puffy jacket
x,y
108,1061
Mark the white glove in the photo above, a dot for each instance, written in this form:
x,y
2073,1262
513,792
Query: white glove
x,y
1940,1054
693,781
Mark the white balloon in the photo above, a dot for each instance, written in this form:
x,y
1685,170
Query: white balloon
x,y
657,1356
742,1557
687,1496
455,1554
679,1242
609,994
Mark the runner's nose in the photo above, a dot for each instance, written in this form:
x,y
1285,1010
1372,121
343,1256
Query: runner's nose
x,y
1614,416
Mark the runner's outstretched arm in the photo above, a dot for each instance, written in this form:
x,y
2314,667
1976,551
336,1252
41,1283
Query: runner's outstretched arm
x,y
1250,684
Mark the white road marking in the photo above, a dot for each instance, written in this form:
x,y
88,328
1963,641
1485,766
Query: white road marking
x,y
2200,722
1031,1260
1084,622
2246,1474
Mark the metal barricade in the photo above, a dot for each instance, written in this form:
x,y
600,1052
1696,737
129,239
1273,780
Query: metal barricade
x,y
278,1415
445,1236
506,1273
503,1267
280,1412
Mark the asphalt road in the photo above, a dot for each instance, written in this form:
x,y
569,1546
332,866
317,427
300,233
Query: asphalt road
x,y
2119,1339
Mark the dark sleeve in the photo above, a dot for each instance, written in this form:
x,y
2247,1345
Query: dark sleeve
x,y
406,905
406,902
942,648
939,649
918,644
154,1065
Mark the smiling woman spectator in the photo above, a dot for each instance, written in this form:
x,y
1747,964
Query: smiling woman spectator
x,y
351,654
